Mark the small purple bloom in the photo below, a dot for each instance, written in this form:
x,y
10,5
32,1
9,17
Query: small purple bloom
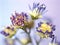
x,y
35,5
8,27
48,23
40,31
39,24
26,16
4,33
53,27
53,37
42,7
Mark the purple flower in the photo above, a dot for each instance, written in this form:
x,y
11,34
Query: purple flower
x,y
39,24
53,27
4,33
38,6
19,18
39,30
48,23
50,33
35,5
7,34
8,27
42,7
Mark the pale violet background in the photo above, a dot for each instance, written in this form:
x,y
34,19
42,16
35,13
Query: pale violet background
x,y
7,7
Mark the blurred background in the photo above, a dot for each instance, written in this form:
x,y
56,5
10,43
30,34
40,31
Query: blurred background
x,y
7,7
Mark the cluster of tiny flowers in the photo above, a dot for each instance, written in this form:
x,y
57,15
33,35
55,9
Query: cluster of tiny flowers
x,y
46,28
6,31
19,19
39,7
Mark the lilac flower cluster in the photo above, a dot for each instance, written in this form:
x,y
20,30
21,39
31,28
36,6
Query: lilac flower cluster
x,y
52,28
19,19
39,7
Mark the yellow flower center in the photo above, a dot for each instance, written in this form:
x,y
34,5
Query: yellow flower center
x,y
45,27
